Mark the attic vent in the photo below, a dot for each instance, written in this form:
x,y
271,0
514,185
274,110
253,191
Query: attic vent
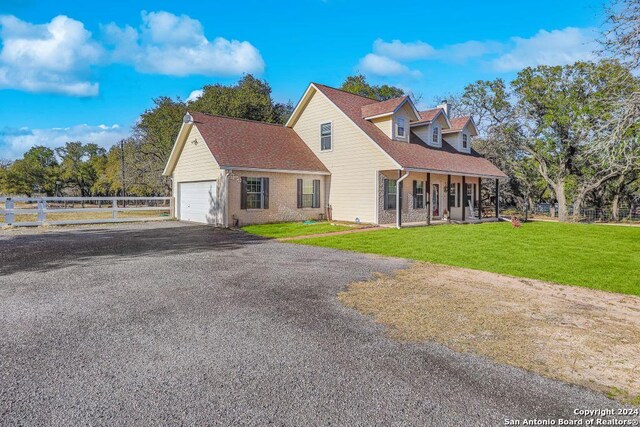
x,y
187,118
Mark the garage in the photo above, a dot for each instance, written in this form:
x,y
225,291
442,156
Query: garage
x,y
198,202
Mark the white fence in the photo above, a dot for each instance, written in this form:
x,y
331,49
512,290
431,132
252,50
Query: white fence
x,y
33,211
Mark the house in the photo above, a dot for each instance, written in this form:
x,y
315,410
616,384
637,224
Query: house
x,y
340,156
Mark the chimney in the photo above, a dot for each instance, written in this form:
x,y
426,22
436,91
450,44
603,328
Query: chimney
x,y
445,106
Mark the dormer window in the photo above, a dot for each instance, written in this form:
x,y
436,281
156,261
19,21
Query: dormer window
x,y
465,141
436,135
400,127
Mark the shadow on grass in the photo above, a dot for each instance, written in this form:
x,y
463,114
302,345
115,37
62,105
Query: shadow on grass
x,y
49,251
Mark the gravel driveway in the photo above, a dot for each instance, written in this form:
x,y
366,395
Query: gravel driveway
x,y
168,323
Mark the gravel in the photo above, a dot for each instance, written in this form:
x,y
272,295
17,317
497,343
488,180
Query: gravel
x,y
169,323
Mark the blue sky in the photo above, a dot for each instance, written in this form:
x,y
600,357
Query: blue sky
x,y
71,70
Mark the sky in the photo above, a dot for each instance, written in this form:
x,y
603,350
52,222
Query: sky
x,y
72,70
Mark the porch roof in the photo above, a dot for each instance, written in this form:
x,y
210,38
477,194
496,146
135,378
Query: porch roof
x,y
446,160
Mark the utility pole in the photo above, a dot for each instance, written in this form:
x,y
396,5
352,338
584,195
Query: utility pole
x,y
124,191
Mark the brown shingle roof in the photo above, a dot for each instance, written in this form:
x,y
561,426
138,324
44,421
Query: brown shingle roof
x,y
415,154
429,115
376,108
244,143
457,123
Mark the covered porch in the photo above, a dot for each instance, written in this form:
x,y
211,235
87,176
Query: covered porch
x,y
413,197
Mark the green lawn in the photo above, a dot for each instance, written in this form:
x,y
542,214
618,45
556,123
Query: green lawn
x,y
594,256
293,229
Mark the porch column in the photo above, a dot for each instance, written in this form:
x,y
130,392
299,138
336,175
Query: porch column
x,y
497,198
479,198
428,196
399,203
449,196
464,196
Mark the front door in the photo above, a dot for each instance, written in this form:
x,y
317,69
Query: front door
x,y
435,201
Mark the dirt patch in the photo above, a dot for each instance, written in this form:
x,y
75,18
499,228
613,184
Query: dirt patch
x,y
579,335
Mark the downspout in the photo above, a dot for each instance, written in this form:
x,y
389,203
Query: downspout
x,y
225,220
398,207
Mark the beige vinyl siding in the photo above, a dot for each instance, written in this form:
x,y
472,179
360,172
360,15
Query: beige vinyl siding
x,y
425,133
407,114
455,139
196,163
442,122
283,199
384,124
353,162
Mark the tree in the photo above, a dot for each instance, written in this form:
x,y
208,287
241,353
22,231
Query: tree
x,y
358,84
81,165
35,173
621,131
249,99
557,110
622,32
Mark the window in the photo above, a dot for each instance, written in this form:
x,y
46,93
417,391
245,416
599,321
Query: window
x,y
465,141
418,194
325,137
469,194
308,193
452,196
436,135
400,127
254,193
389,194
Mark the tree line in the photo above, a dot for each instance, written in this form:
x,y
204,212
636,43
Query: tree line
x,y
563,134
85,169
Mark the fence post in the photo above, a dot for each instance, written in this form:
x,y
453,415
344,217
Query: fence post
x,y
114,212
42,214
8,216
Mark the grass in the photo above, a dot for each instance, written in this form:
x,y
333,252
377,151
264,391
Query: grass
x,y
293,229
594,256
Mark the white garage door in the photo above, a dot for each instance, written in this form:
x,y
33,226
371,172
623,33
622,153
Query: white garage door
x,y
198,202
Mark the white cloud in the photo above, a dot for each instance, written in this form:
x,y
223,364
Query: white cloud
x,y
15,142
383,66
54,57
403,51
195,95
176,45
557,47
461,52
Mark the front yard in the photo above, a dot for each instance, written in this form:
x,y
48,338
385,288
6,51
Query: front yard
x,y
594,256
575,334
294,229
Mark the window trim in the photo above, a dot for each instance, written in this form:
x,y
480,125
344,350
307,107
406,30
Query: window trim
x,y
261,179
436,131
420,195
312,194
452,196
404,128
330,136
388,195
